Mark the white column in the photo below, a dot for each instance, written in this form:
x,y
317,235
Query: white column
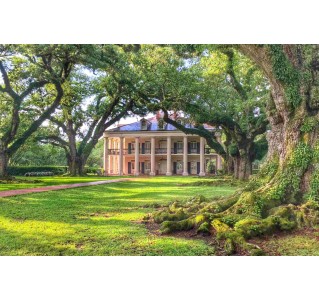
x,y
114,157
106,156
115,164
202,157
152,173
137,157
110,156
111,164
121,156
169,156
185,154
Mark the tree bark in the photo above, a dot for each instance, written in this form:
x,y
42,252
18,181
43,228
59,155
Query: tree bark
x,y
285,195
76,165
242,167
291,129
229,167
3,161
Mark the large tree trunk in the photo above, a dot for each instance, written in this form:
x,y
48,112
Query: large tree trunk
x,y
242,167
3,164
76,165
293,116
3,161
229,167
285,194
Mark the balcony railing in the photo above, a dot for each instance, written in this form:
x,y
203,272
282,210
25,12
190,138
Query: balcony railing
x,y
160,150
177,151
157,151
193,151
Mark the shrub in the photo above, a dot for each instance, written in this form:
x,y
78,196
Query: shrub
x,y
39,174
23,170
91,170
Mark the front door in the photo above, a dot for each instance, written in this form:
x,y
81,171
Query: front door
x,y
129,167
162,167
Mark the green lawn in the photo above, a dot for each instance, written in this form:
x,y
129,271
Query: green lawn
x,y
28,182
99,220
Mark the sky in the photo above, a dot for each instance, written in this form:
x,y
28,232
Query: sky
x,y
130,120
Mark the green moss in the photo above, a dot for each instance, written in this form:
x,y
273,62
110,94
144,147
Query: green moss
x,y
288,186
267,171
219,226
229,246
172,226
285,224
204,228
162,216
314,187
287,74
249,227
250,204
199,219
309,124
231,219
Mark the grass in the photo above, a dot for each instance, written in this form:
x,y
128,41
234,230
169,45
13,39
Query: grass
x,y
28,182
99,220
105,220
303,242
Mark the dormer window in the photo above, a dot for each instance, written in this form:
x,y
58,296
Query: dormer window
x,y
161,124
143,124
179,121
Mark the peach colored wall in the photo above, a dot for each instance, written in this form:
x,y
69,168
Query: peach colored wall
x,y
114,144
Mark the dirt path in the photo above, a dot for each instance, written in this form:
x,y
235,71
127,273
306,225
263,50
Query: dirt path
x,y
11,193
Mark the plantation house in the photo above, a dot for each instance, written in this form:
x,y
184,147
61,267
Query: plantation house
x,y
152,147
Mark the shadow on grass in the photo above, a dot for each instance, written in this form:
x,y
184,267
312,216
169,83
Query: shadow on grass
x,y
93,220
67,205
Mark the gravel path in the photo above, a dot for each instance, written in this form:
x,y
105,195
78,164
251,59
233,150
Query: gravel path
x,y
56,187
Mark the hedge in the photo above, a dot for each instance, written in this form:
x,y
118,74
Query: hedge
x,y
22,170
56,170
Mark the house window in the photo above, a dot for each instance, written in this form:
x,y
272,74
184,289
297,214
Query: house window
x,y
194,145
147,147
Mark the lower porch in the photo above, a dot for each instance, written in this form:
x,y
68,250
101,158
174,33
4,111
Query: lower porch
x,y
161,165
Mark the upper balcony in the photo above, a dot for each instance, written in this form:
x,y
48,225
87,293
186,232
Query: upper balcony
x,y
157,151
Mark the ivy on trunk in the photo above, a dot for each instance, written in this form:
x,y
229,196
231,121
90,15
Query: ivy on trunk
x,y
284,195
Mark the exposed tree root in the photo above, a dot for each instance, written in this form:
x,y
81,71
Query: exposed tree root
x,y
236,219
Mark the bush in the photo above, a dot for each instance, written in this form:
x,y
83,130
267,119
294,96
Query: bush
x,y
37,174
23,170
211,167
91,170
